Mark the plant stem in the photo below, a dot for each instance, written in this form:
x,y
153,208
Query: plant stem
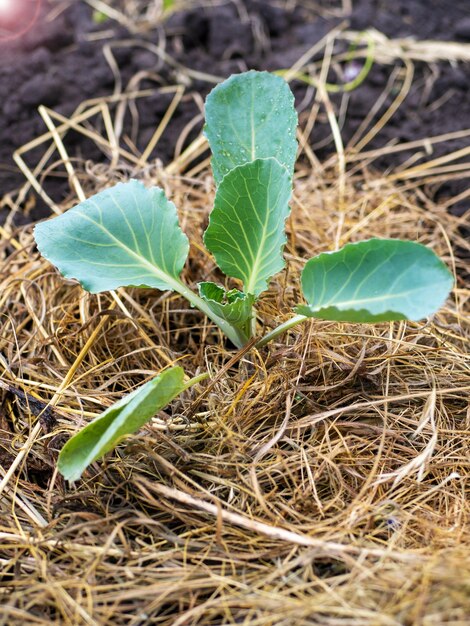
x,y
195,380
297,319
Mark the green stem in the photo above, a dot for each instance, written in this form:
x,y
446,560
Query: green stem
x,y
195,380
297,319
351,85
236,336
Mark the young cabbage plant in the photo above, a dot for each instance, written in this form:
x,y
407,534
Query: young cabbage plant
x,y
129,235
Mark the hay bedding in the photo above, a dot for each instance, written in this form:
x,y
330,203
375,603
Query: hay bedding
x,y
321,480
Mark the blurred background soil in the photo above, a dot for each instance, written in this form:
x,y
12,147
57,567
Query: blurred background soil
x,y
61,61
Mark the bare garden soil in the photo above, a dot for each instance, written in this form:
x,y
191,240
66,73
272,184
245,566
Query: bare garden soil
x,y
60,63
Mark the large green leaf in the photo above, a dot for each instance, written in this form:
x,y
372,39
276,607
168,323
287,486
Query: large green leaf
x,y
234,306
123,418
250,116
375,280
125,235
246,232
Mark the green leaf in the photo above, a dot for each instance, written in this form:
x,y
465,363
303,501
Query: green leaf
x,y
117,238
246,231
123,418
375,280
250,116
234,306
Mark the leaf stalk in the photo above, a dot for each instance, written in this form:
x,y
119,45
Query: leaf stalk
x,y
279,330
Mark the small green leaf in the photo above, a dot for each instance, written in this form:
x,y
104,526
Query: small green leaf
x,y
126,235
234,306
99,17
123,418
375,280
251,116
246,232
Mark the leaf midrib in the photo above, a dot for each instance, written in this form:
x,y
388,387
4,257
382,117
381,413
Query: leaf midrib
x,y
401,294
251,284
160,273
261,252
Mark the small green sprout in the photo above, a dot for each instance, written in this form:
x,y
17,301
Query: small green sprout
x,y
129,235
99,17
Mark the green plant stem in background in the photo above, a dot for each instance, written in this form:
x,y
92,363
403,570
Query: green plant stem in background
x,y
196,379
345,87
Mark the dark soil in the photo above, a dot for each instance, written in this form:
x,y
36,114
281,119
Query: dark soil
x,y
58,64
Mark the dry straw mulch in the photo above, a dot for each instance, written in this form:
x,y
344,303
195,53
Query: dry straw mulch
x,y
321,480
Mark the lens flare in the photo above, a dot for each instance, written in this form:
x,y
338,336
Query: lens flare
x,y
17,17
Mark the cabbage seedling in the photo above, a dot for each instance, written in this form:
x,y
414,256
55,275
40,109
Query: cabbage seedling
x,y
129,235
